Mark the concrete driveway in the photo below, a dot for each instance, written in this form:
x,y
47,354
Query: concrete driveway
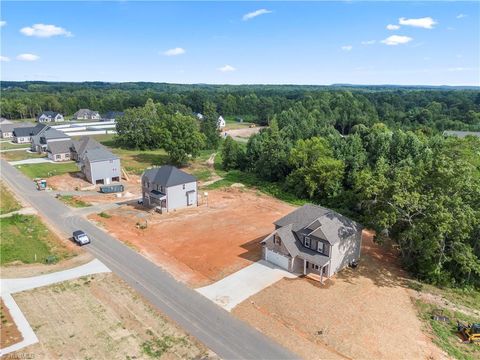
x,y
239,286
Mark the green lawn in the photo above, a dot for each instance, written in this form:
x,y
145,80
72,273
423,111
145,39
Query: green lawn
x,y
23,237
73,202
5,145
7,202
20,155
46,170
445,334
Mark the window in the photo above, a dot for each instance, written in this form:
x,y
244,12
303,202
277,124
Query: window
x,y
306,242
57,157
277,240
183,186
320,247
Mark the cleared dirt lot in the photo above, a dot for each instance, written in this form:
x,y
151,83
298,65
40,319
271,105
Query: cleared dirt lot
x,y
364,313
99,317
244,133
204,244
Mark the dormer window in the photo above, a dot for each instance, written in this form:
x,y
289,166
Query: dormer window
x,y
306,242
277,240
320,247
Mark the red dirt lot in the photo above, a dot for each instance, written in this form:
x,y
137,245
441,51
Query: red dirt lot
x,y
9,333
204,244
362,313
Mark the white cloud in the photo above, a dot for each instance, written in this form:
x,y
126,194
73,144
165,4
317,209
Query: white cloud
x,y
28,57
3,23
347,47
396,40
426,22
4,58
174,52
368,42
227,68
45,31
255,13
393,27
461,16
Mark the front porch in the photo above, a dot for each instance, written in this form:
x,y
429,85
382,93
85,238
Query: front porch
x,y
316,271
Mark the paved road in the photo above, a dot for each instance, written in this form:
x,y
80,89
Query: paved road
x,y
229,337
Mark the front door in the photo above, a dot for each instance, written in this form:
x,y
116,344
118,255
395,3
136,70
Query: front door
x,y
190,198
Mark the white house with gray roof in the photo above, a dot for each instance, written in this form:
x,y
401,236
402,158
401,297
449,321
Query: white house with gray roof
x,y
6,128
50,116
47,135
98,164
86,114
313,239
169,188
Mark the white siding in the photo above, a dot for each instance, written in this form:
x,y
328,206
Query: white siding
x,y
345,252
177,195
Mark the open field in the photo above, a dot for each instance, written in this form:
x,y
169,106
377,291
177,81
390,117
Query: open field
x,y
204,244
100,317
27,240
45,170
9,333
445,334
363,313
8,203
73,201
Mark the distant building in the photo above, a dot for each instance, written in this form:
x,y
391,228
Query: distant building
x,y
112,115
86,114
23,135
199,116
461,134
6,128
169,188
221,123
50,116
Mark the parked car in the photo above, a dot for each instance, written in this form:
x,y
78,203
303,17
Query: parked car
x,y
81,238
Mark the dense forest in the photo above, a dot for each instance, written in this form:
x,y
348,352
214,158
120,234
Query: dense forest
x,y
376,154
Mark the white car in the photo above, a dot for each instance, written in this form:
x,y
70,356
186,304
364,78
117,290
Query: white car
x,y
81,238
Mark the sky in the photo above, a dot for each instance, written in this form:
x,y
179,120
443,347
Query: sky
x,y
320,43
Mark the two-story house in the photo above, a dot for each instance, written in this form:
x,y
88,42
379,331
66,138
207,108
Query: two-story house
x,y
86,114
313,239
46,135
49,116
169,188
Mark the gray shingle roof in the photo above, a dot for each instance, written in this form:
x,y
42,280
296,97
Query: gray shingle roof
x,y
28,131
8,127
52,133
168,176
85,143
59,147
320,222
99,154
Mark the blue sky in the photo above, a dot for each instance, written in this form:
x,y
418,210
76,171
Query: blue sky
x,y
430,43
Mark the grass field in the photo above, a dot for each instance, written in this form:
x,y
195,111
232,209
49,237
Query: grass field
x,y
5,145
7,202
27,239
20,155
445,334
74,202
46,170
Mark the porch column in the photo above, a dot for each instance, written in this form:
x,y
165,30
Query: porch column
x,y
291,264
321,274
304,267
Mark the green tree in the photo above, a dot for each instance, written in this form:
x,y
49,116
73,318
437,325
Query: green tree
x,y
208,125
181,138
233,154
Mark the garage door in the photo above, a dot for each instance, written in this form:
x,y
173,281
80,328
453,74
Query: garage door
x,y
276,258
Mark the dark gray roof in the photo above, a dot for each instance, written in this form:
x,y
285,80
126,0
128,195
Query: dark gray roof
x,y
28,131
85,143
461,134
59,147
320,222
302,217
99,154
8,127
168,176
51,133
48,113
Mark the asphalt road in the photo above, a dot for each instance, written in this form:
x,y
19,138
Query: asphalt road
x,y
227,336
